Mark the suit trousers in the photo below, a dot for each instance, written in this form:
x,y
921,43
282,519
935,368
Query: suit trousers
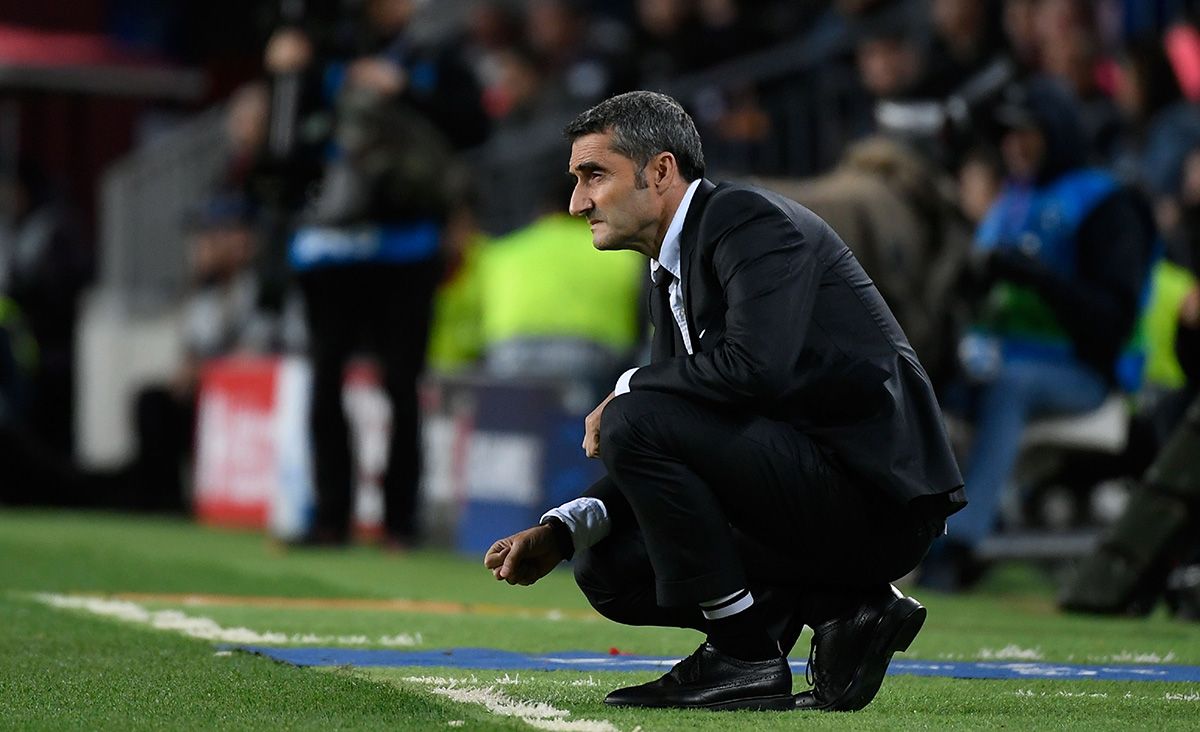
x,y
383,309
722,500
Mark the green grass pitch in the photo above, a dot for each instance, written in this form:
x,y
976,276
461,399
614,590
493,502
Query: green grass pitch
x,y
63,668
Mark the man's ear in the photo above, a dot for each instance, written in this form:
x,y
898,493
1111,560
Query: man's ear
x,y
664,169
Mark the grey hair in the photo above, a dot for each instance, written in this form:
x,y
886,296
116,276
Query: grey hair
x,y
644,124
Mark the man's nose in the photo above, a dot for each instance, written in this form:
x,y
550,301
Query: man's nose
x,y
579,204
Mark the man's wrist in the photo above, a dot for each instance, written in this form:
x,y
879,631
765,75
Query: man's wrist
x,y
586,521
562,536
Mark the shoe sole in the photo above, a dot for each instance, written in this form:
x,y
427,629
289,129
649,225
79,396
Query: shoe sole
x,y
783,702
761,704
897,628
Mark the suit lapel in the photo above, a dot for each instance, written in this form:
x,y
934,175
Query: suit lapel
x,y
689,248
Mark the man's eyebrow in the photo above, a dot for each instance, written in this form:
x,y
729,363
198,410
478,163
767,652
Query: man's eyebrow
x,y
586,167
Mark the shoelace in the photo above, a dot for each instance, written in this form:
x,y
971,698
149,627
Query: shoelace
x,y
809,672
689,668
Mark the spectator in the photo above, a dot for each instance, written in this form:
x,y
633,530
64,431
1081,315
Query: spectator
x,y
493,27
724,31
890,60
369,254
43,269
1053,19
966,39
583,51
1021,32
1152,549
980,177
1163,125
221,317
553,306
246,124
895,211
1074,58
665,40
1063,257
1175,300
521,95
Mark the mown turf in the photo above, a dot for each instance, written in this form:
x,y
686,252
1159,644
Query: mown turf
x,y
69,670
906,703
62,670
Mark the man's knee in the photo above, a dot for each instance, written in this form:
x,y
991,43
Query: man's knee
x,y
593,579
605,583
619,423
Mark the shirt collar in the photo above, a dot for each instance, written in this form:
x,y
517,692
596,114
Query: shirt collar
x,y
668,255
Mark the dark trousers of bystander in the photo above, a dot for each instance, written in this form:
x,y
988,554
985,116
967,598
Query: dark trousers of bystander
x,y
383,309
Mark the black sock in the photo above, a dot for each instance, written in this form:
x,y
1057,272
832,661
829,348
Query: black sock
x,y
743,635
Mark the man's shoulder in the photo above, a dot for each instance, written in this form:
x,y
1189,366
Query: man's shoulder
x,y
733,203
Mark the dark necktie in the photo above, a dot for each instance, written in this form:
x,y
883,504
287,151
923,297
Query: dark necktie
x,y
667,339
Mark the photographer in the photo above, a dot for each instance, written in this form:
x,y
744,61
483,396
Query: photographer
x,y
1060,262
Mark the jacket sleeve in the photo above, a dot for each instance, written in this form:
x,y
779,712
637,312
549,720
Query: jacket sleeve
x,y
619,511
768,271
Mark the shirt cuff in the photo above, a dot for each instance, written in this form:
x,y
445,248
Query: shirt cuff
x,y
587,518
622,386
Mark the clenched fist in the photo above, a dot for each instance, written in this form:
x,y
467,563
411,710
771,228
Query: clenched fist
x,y
524,557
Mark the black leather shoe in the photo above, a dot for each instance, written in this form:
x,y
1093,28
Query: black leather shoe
x,y
850,655
709,679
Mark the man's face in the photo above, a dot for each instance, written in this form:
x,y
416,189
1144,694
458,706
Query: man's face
x,y
1023,149
887,66
613,194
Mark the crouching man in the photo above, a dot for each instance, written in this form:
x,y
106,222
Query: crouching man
x,y
779,462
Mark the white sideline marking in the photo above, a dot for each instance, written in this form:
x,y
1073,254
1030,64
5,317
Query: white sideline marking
x,y
536,714
1014,652
209,629
1134,657
1011,652
1191,696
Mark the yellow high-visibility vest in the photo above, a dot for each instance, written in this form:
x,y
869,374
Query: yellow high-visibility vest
x,y
547,280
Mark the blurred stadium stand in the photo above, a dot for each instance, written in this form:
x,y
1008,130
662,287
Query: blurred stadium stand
x,y
784,109
146,195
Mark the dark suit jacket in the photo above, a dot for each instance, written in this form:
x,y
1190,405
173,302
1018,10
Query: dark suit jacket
x,y
786,324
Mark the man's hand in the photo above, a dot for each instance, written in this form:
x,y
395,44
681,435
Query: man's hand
x,y
525,557
591,429
1189,309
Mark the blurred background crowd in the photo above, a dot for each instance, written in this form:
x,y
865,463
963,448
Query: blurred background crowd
x,y
186,181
